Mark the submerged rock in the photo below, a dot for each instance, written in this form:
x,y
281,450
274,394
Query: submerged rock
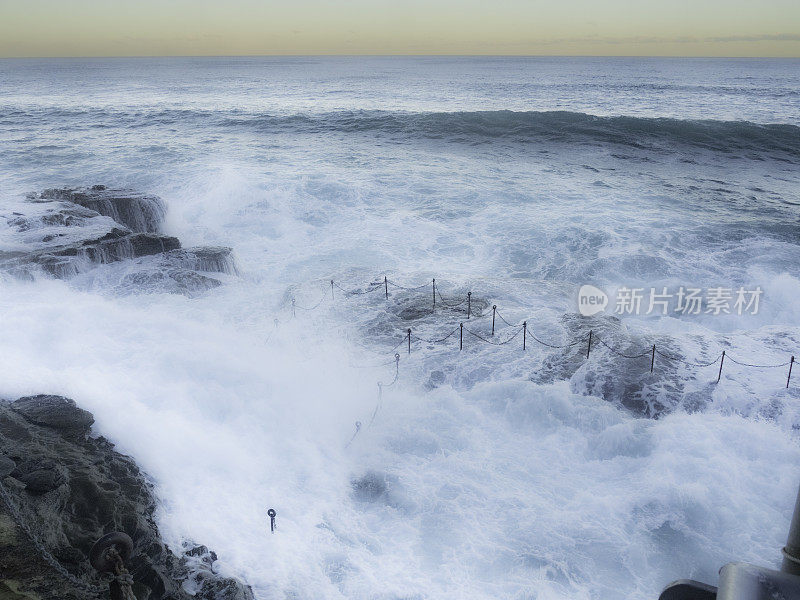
x,y
187,271
173,281
65,215
619,369
69,489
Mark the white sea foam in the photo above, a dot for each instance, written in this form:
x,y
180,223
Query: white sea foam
x,y
486,473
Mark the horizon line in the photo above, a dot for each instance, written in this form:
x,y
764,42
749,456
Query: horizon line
x,y
400,55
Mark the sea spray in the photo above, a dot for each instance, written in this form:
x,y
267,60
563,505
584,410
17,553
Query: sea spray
x,y
494,473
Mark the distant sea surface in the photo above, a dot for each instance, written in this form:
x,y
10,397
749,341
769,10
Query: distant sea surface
x,y
486,473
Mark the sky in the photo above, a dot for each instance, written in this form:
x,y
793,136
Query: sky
x,y
47,28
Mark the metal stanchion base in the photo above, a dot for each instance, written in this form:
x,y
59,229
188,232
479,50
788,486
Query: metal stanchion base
x,y
738,581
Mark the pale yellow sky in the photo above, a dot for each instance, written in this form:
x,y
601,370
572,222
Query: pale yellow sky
x,y
248,27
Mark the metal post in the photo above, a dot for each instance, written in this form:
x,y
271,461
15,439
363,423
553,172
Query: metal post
x,y
722,362
386,286
494,310
469,303
653,358
524,333
461,339
589,347
332,289
434,294
294,312
791,552
409,340
791,364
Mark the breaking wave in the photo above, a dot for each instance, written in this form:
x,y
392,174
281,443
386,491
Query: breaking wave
x,y
465,127
484,126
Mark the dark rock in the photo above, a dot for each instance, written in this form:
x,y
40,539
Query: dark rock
x,y
140,213
203,552
216,259
9,590
412,313
88,227
214,588
616,377
66,215
71,491
69,555
113,247
174,281
61,266
371,487
436,379
54,411
41,481
144,244
6,466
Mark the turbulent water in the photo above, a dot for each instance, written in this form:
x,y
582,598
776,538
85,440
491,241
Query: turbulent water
x,y
487,472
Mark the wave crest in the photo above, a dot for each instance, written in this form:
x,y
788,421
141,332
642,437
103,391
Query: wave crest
x,y
531,127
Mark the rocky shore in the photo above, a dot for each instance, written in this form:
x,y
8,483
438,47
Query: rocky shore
x,y
111,238
61,489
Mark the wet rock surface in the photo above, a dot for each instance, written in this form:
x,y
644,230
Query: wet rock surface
x,y
139,212
69,489
54,411
65,233
620,370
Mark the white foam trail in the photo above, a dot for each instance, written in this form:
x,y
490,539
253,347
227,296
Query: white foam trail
x,y
506,490
505,479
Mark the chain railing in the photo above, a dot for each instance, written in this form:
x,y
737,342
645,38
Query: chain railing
x,y
465,304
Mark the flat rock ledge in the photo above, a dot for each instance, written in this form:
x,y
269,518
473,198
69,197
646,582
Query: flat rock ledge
x,y
69,489
109,237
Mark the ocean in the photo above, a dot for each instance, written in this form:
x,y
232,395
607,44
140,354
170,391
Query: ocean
x,y
478,468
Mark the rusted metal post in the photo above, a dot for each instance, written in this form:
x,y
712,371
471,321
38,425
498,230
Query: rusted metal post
x,y
791,364
386,286
653,358
469,304
722,362
332,289
494,310
434,294
524,333
409,340
589,347
461,338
